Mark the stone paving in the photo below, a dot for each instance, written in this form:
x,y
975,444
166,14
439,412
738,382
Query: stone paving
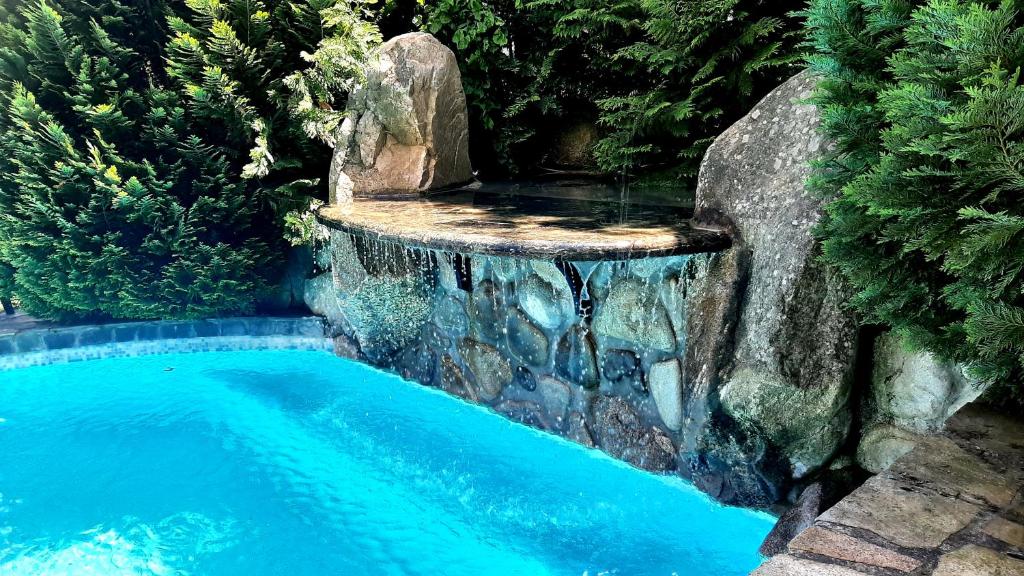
x,y
954,506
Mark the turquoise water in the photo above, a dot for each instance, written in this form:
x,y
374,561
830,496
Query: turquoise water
x,y
294,463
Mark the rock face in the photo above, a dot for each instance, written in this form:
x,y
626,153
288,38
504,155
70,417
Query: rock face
x,y
773,369
406,128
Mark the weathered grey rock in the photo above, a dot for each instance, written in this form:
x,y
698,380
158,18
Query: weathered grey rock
x,y
791,566
322,299
771,315
915,390
406,128
621,433
490,369
666,382
882,444
632,313
807,424
624,366
793,521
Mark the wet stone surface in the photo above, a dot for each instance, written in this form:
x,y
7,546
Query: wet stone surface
x,y
516,224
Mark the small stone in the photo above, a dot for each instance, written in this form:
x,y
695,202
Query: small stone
x,y
485,320
577,430
977,561
1009,532
453,380
824,542
576,358
490,369
632,313
882,445
525,379
666,382
556,395
545,296
525,340
526,413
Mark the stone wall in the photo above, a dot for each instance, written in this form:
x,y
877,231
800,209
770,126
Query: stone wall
x,y
588,350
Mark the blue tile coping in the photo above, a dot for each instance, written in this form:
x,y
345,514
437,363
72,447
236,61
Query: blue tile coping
x,y
38,346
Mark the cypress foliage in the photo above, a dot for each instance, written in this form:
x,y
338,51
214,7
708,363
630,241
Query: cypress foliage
x,y
111,206
245,66
694,67
660,77
928,174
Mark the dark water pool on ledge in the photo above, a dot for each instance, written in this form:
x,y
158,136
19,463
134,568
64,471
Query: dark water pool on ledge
x,y
289,462
552,221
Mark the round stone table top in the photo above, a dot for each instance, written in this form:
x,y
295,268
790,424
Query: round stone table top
x,y
526,225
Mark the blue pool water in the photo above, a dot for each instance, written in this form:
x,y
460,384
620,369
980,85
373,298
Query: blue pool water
x,y
294,463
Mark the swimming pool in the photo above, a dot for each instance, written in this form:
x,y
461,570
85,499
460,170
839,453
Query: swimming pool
x,y
297,462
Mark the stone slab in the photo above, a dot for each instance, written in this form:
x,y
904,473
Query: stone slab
x,y
1010,532
508,225
977,561
825,542
902,515
790,566
943,465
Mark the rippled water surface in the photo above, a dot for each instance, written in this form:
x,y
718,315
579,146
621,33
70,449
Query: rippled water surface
x,y
293,463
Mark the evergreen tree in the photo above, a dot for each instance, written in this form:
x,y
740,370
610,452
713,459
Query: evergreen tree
x,y
246,66
690,69
110,206
926,103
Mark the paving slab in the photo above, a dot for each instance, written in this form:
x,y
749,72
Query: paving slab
x,y
825,542
944,466
1002,529
790,566
977,561
903,516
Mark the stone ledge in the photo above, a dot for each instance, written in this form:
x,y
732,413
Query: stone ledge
x,y
511,225
15,348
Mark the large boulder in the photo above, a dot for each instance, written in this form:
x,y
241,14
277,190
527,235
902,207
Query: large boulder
x,y
406,128
778,363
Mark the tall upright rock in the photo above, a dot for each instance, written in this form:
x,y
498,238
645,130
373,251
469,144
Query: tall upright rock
x,y
770,377
406,129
